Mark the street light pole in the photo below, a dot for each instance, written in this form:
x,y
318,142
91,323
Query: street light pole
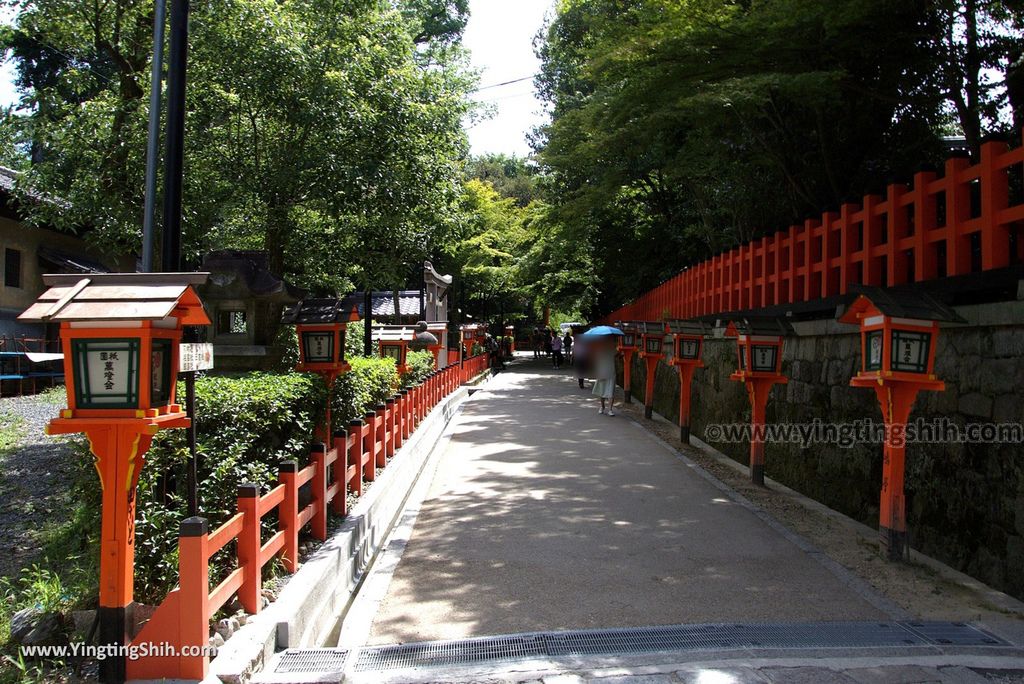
x,y
153,142
175,145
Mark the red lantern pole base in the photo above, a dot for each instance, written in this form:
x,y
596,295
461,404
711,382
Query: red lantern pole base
x,y
685,383
896,397
652,371
119,446
759,386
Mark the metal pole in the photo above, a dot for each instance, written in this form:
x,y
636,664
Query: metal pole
x,y
173,181
175,144
368,320
153,142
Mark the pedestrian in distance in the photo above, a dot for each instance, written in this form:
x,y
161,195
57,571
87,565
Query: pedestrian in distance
x,y
494,350
581,360
556,350
602,356
547,342
567,343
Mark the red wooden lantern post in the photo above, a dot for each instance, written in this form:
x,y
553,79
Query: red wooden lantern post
x,y
120,333
899,331
627,347
469,338
510,333
687,347
652,336
759,367
321,325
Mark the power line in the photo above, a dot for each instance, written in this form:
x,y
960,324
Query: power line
x,y
505,83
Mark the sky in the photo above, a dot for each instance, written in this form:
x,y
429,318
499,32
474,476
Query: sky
x,y
8,95
500,39
499,36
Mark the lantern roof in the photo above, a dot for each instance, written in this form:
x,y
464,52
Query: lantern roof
x,y
897,303
763,325
119,297
687,327
319,311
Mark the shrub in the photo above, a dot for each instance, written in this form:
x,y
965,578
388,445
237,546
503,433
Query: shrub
x,y
247,425
370,382
419,365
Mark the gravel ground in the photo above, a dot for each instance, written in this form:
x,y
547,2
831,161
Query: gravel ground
x,y
33,482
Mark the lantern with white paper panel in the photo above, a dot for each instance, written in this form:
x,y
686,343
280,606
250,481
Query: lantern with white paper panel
x,y
393,343
899,330
320,325
652,351
120,333
687,338
759,345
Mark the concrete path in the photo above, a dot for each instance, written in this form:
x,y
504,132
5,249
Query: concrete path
x,y
544,515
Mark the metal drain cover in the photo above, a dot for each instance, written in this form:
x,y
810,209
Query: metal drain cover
x,y
312,660
674,638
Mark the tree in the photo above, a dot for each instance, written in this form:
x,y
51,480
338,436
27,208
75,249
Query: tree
x,y
315,129
679,128
486,252
511,176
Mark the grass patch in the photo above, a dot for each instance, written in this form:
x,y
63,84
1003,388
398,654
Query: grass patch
x,y
54,396
10,431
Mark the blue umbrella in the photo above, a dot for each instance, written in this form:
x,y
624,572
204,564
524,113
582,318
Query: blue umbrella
x,y
602,331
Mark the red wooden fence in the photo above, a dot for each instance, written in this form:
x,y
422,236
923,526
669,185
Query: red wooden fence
x,y
183,619
957,223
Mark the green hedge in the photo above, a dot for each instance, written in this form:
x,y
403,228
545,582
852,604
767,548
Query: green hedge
x,y
247,425
370,382
419,365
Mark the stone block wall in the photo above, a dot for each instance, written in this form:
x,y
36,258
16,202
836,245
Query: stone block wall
x,y
965,502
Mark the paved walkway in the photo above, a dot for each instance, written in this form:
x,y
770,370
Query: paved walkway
x,y
544,515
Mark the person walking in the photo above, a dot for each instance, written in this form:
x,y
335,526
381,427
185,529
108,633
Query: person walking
x,y
602,356
567,343
556,350
580,360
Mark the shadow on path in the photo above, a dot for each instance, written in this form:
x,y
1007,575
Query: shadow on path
x,y
544,515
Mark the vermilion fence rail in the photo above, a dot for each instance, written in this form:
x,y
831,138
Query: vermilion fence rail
x,y
183,619
958,223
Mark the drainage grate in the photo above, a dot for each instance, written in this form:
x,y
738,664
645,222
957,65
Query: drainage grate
x,y
674,638
312,660
953,634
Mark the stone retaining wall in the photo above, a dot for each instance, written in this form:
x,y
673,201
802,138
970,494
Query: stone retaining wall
x,y
965,502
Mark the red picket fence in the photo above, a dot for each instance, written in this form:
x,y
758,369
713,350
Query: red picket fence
x,y
957,223
183,619
474,366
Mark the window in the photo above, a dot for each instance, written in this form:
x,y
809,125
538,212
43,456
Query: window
x,y
232,322
12,267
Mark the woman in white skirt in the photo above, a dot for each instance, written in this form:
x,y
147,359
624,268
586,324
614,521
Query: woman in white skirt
x,y
603,359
